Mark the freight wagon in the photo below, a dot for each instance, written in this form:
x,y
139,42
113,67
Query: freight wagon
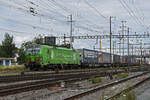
x,y
116,60
93,58
130,60
90,58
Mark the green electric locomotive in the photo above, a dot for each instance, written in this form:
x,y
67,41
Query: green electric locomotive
x,y
51,57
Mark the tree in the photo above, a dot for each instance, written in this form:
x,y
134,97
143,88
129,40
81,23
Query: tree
x,y
21,56
8,47
1,52
38,40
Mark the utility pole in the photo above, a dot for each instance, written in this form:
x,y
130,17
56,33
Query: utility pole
x,y
132,52
110,22
64,39
71,39
113,47
123,33
110,38
100,45
128,41
120,45
141,50
128,45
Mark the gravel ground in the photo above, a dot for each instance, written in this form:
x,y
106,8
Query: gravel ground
x,y
72,89
108,92
143,92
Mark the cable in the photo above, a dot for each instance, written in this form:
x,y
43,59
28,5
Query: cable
x,y
136,22
33,26
14,31
27,11
48,5
45,8
96,10
85,28
138,10
132,12
60,6
89,23
68,11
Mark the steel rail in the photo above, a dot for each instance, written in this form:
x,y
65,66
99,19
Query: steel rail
x,y
38,76
102,87
16,78
128,89
17,88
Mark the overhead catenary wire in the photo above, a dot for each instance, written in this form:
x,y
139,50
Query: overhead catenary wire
x,y
27,11
139,12
19,32
23,23
52,7
62,7
45,6
96,10
82,19
39,15
66,10
133,12
130,11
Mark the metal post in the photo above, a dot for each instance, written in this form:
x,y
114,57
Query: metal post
x,y
123,33
132,52
110,39
141,51
113,47
100,45
71,31
129,58
128,41
64,39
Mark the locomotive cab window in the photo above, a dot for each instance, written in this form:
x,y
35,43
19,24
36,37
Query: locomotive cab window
x,y
33,50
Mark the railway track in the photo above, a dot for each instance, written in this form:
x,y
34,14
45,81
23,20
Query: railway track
x,y
26,77
17,88
78,96
54,80
128,89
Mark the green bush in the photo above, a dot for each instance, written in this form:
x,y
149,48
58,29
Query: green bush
x,y
96,80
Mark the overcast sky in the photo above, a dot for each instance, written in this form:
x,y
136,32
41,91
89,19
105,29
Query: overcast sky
x,y
89,17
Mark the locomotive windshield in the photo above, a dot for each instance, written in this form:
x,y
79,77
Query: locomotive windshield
x,y
33,50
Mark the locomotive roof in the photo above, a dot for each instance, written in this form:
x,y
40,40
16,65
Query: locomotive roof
x,y
57,47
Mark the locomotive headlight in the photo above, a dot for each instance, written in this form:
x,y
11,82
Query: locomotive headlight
x,y
41,58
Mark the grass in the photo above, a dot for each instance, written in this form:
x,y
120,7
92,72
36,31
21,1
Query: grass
x,y
96,80
122,75
18,68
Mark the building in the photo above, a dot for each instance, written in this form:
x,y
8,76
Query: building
x,y
6,61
